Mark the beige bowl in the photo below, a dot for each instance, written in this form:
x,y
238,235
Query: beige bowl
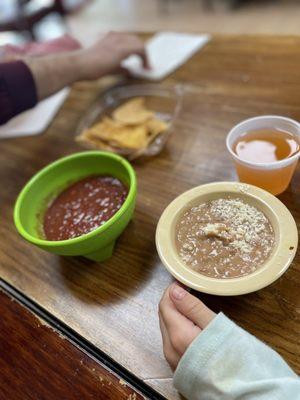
x,y
286,239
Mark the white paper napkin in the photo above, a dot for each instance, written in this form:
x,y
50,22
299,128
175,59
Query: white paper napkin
x,y
166,52
36,120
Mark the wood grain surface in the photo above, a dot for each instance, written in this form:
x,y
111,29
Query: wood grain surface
x,y
114,304
38,363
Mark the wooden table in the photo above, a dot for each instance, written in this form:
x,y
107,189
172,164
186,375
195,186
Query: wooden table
x,y
113,305
38,363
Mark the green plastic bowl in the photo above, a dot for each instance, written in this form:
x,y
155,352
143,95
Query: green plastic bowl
x,y
33,200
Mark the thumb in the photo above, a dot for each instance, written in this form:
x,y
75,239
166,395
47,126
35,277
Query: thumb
x,y
190,306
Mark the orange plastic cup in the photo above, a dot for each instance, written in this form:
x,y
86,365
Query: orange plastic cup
x,y
276,176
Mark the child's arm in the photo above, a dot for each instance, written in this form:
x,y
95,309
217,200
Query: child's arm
x,y
223,361
226,362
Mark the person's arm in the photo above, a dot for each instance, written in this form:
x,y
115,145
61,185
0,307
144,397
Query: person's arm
x,y
24,82
17,89
54,72
216,359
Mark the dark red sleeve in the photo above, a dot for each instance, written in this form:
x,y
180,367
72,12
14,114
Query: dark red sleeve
x,y
17,89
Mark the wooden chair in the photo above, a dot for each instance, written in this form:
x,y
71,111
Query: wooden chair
x,y
223,4
25,22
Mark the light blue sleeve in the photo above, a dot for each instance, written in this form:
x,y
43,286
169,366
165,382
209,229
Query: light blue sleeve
x,y
225,362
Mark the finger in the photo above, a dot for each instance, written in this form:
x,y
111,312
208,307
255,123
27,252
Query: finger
x,y
164,332
190,306
170,353
172,318
145,59
180,329
122,71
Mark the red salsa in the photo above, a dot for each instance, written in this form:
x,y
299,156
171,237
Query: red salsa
x,y
83,207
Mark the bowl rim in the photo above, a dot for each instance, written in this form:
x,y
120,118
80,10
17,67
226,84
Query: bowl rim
x,y
280,259
55,164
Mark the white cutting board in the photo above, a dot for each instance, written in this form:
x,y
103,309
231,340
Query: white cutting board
x,y
35,120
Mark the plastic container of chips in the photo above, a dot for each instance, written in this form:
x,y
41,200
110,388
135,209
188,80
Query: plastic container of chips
x,y
164,100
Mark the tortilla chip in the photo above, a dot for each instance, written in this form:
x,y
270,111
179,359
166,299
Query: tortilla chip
x,y
96,143
132,137
130,130
156,126
133,112
104,129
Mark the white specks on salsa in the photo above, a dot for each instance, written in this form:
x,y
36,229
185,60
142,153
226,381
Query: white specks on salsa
x,y
83,207
224,238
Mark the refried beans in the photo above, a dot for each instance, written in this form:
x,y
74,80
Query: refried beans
x,y
224,238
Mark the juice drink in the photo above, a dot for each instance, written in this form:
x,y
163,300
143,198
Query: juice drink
x,y
274,181
265,151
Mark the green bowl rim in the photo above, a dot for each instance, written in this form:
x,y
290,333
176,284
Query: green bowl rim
x,y
95,232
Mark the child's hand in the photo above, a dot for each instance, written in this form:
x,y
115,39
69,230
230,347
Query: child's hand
x,y
181,317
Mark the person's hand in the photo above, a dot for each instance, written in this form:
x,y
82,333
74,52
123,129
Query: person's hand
x,y
105,56
181,317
